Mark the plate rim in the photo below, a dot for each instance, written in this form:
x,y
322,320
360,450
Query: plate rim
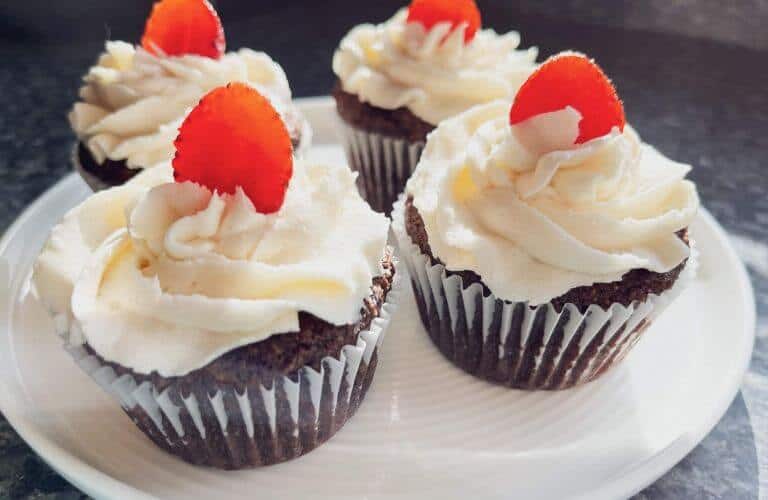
x,y
663,461
624,484
69,466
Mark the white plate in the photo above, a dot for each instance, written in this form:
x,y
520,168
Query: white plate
x,y
426,429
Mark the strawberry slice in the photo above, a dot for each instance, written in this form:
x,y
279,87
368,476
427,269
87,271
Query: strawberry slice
x,y
431,12
179,27
571,79
234,137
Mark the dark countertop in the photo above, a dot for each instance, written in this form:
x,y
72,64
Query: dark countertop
x,y
698,101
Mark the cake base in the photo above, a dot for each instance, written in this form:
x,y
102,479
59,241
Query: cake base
x,y
400,123
569,341
634,286
100,176
236,448
383,146
261,403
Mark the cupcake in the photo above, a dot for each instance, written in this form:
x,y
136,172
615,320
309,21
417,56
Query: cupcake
x,y
398,80
543,240
233,301
135,97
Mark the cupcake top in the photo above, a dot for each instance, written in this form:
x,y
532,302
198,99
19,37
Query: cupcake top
x,y
556,193
135,97
166,276
432,59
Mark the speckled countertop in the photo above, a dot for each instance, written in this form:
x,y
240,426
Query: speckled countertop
x,y
699,101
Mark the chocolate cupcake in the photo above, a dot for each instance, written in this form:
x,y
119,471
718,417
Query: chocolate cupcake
x,y
399,79
542,241
135,97
234,310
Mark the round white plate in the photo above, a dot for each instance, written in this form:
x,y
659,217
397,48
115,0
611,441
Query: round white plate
x,y
426,429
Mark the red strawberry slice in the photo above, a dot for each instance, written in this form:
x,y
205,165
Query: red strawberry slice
x,y
179,27
570,79
431,12
234,137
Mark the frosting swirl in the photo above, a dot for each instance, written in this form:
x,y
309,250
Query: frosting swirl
x,y
535,215
133,101
432,73
168,276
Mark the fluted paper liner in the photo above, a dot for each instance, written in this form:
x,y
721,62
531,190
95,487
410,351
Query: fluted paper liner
x,y
518,345
222,426
385,164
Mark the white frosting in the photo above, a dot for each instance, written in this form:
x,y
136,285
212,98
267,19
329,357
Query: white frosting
x,y
133,102
168,276
535,215
432,73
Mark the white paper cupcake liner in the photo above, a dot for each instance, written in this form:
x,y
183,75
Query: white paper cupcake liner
x,y
219,425
385,164
518,345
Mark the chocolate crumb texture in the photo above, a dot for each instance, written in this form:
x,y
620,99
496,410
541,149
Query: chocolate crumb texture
x,y
635,285
399,123
260,371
